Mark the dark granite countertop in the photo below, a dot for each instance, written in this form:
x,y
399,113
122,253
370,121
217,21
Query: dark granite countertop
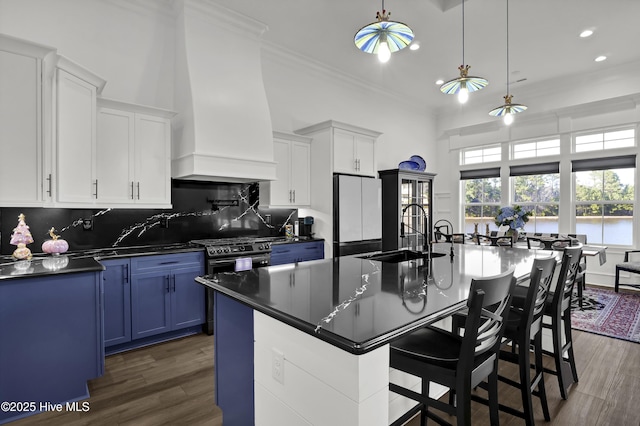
x,y
359,304
77,261
295,240
46,266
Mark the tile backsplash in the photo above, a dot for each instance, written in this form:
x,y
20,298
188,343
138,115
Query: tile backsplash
x,y
200,210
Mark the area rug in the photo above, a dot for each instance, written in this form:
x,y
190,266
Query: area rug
x,y
608,313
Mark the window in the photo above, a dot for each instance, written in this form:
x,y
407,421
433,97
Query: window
x,y
482,195
605,140
604,199
482,155
536,188
535,149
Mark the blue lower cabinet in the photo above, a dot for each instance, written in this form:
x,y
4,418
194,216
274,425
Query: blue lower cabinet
x,y
187,299
296,252
151,303
51,340
117,301
233,352
151,295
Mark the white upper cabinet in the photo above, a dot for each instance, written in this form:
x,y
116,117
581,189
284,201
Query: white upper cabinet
x,y
292,154
24,179
76,139
133,155
353,153
351,149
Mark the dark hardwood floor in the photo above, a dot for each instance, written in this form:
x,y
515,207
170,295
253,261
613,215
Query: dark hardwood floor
x,y
172,383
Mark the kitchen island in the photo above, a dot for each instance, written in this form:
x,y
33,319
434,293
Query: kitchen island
x,y
308,343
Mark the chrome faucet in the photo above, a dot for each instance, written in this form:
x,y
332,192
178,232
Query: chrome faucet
x,y
426,234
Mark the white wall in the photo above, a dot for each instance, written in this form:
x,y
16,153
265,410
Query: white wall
x,y
302,93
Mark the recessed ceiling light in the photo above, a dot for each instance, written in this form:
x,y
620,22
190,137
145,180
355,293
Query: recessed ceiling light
x,y
439,82
414,46
586,33
600,58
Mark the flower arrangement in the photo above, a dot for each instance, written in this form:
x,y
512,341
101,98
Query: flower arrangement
x,y
514,217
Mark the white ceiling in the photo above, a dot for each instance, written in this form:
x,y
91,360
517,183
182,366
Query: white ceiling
x,y
543,39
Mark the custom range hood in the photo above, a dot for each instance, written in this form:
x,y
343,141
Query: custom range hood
x,y
222,131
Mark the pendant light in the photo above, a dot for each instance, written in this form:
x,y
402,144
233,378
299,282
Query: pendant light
x,y
464,84
383,37
507,110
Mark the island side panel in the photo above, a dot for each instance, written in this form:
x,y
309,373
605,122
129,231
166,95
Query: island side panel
x,y
233,352
321,384
51,339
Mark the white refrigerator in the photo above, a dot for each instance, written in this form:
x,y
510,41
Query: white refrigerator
x,y
357,214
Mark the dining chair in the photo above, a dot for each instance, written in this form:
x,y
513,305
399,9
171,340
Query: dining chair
x,y
502,241
631,264
558,308
458,362
524,331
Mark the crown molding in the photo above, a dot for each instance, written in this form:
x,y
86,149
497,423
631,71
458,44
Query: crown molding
x,y
321,70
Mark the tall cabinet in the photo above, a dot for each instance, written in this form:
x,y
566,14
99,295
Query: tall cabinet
x,y
24,176
400,189
337,148
75,130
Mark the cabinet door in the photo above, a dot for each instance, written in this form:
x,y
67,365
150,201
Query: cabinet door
x,y
343,152
300,165
365,155
152,160
117,302
20,130
280,188
150,303
188,305
114,159
76,139
350,208
371,209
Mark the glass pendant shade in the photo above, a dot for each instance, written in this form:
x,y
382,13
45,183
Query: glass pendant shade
x,y
383,37
463,83
507,108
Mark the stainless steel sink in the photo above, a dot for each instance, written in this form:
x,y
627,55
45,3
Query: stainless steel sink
x,y
400,256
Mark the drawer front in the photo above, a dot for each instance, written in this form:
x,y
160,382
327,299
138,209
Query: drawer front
x,y
297,252
166,261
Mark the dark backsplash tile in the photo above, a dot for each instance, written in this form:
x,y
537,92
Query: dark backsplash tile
x,y
200,210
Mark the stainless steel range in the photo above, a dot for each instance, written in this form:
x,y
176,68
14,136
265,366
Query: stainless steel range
x,y
233,254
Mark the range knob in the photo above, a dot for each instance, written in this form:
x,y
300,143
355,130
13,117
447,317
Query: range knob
x,y
241,248
219,250
260,247
227,249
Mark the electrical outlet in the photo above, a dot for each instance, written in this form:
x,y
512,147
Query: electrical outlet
x,y
87,224
277,365
267,219
164,222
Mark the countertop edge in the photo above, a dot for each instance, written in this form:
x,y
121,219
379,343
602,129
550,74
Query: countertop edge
x,y
326,335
